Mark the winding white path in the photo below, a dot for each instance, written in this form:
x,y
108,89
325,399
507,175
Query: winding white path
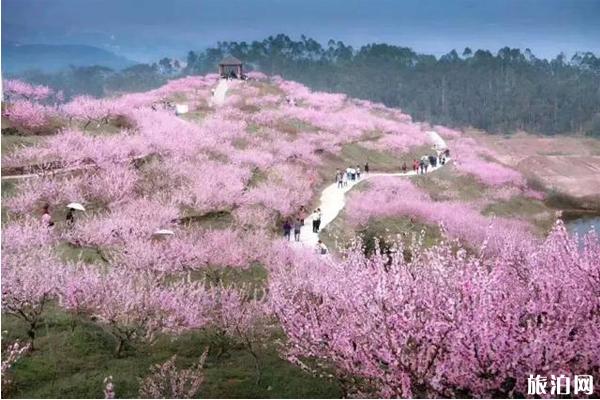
x,y
65,170
220,92
333,199
59,171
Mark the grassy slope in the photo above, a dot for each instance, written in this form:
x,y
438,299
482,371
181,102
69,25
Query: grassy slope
x,y
12,142
73,363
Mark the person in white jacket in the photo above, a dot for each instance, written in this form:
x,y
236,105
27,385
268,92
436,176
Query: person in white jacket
x,y
317,220
315,217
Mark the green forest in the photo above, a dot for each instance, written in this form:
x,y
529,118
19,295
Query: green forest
x,y
501,93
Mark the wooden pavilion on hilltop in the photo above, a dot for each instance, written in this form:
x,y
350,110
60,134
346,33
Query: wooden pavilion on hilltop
x,y
231,67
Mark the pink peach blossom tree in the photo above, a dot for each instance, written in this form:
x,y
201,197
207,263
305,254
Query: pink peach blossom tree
x,y
442,323
167,381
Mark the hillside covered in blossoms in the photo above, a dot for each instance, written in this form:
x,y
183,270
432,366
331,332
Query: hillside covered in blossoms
x,y
456,283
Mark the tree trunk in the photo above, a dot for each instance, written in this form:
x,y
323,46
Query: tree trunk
x,y
256,365
31,334
255,357
73,324
120,346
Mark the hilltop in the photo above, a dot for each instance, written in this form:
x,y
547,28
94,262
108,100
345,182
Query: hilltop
x,y
505,92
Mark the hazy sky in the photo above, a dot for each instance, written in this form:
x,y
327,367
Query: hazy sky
x,y
147,29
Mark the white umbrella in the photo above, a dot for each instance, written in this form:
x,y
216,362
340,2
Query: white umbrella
x,y
76,206
164,232
181,109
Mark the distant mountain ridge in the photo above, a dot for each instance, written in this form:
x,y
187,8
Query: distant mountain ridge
x,y
50,58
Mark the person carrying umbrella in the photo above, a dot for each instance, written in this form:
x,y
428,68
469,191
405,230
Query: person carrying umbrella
x,y
70,218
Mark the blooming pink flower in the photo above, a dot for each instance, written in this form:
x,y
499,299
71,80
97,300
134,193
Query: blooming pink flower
x,y
16,89
389,197
441,323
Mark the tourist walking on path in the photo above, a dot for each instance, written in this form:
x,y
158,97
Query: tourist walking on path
x,y
415,166
433,161
297,229
314,217
287,229
339,177
344,180
404,167
425,164
357,172
302,214
319,214
366,168
350,172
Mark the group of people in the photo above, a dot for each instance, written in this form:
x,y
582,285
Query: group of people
x,y
349,174
421,166
295,225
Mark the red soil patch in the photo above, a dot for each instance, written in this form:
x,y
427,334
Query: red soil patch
x,y
567,164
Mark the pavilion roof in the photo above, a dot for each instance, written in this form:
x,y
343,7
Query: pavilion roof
x,y
230,60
